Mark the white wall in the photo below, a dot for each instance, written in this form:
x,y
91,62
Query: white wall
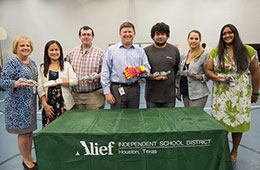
x,y
43,20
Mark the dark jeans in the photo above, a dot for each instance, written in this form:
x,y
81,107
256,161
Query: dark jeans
x,y
130,99
159,105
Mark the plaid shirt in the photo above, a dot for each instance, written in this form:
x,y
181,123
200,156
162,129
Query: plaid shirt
x,y
85,63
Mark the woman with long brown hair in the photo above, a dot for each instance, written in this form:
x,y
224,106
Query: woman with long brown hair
x,y
55,77
228,67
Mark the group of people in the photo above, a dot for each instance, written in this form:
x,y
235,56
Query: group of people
x,y
87,77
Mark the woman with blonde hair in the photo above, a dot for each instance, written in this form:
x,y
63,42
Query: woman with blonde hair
x,y
191,82
19,77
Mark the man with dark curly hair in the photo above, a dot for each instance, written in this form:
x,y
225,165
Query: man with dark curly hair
x,y
164,59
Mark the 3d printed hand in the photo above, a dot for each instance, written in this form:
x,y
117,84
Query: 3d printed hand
x,y
58,81
161,73
131,72
90,77
52,83
49,83
30,81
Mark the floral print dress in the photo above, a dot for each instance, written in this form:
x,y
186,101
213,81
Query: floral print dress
x,y
231,104
55,99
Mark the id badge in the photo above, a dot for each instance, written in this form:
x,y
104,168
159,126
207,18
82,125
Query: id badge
x,y
121,91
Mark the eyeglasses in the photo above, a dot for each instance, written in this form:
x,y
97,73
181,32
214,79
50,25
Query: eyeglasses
x,y
229,32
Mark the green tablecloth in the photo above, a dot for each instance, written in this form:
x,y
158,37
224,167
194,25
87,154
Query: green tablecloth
x,y
133,139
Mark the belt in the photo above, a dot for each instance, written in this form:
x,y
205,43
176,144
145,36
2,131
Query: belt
x,y
91,91
125,84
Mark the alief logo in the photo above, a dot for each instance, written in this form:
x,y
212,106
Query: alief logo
x,y
93,148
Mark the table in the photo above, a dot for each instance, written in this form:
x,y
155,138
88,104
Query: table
x,y
133,139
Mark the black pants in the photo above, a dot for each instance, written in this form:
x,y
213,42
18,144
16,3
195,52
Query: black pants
x,y
130,99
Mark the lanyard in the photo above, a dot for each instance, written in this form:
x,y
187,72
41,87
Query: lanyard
x,y
229,60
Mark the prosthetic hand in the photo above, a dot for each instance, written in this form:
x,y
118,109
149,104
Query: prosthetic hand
x,y
58,81
30,81
94,76
230,79
52,83
131,72
91,77
161,73
156,74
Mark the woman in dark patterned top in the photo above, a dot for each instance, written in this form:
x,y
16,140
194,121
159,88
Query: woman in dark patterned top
x,y
55,77
18,78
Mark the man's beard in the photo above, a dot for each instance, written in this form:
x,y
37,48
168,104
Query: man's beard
x,y
160,44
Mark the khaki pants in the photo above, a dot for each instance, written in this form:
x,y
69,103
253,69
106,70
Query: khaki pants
x,y
91,100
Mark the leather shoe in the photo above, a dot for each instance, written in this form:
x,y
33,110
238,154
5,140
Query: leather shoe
x,y
33,168
35,163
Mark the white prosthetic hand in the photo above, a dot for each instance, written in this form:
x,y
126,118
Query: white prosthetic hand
x,y
30,81
90,77
52,83
161,73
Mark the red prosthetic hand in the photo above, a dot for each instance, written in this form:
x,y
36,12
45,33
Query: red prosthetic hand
x,y
131,72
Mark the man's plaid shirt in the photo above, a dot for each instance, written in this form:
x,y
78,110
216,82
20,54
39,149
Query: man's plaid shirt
x,y
85,63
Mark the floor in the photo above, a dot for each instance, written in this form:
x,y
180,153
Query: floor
x,y
249,150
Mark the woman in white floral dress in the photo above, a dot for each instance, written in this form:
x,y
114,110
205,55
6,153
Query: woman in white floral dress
x,y
228,66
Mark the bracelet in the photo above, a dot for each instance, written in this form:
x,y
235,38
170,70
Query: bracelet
x,y
255,94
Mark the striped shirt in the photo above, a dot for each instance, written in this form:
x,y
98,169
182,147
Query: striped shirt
x,y
85,63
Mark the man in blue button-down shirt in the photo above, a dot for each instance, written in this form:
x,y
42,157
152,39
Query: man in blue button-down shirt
x,y
120,92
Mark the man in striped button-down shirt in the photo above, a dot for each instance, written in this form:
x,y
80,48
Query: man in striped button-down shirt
x,y
87,59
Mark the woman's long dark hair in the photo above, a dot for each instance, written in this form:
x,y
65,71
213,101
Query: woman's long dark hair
x,y
241,56
47,60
